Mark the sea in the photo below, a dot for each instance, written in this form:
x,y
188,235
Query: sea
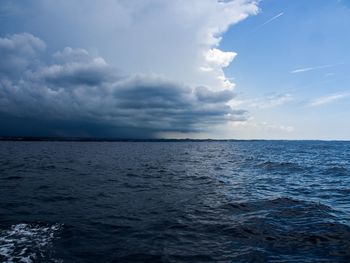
x,y
175,201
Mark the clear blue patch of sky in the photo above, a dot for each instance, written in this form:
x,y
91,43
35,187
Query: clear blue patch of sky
x,y
310,33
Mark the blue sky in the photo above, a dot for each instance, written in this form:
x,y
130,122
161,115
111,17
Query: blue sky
x,y
273,69
312,35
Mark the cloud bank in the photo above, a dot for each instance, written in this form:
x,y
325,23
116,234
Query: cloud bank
x,y
172,77
82,95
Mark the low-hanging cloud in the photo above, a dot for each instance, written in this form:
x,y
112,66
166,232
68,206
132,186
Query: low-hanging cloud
x,y
78,94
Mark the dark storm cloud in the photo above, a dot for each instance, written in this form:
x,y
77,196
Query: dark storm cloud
x,y
206,95
81,95
16,52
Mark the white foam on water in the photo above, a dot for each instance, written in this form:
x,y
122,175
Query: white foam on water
x,y
26,243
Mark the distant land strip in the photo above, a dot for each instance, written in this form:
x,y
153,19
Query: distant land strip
x,y
82,139
78,139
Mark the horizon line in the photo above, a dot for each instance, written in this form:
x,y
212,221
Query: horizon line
x,y
85,139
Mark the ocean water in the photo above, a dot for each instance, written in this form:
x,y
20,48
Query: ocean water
x,y
252,201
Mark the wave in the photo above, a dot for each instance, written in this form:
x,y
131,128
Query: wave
x,y
281,229
13,177
27,242
276,204
286,224
336,170
281,166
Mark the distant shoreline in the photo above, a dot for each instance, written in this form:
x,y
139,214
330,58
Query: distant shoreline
x,y
74,139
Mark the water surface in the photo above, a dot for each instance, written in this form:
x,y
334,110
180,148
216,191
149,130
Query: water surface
x,y
258,201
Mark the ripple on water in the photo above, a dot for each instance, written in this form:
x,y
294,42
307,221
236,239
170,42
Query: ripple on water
x,y
289,226
175,202
336,170
281,167
13,177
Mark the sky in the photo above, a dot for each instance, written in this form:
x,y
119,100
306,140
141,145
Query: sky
x,y
241,69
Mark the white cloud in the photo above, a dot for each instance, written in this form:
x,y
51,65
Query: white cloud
x,y
161,48
263,126
215,61
267,102
174,39
271,127
306,69
328,99
217,58
272,101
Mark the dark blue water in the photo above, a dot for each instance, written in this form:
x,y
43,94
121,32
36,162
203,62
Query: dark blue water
x,y
175,201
